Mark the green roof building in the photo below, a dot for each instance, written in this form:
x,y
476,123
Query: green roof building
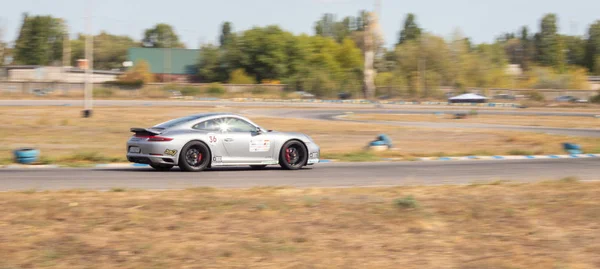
x,y
167,61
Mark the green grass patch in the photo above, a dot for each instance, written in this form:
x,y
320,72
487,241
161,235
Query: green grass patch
x,y
357,156
569,180
520,152
103,92
190,91
406,202
90,156
215,89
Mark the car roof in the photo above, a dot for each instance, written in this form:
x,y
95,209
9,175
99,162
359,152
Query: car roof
x,y
214,114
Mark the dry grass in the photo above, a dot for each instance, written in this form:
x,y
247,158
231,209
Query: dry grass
x,y
64,137
499,225
550,121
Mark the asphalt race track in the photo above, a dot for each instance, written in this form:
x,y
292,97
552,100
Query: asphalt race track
x,y
320,175
333,114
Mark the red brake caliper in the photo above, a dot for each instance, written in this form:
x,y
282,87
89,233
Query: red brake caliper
x,y
199,157
287,155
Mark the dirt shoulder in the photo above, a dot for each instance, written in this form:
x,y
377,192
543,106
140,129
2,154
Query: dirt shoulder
x,y
499,225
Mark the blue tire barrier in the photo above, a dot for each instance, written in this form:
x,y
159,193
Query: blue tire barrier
x,y
382,140
377,143
572,148
26,155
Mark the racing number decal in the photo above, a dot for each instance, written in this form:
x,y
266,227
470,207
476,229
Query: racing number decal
x,y
212,138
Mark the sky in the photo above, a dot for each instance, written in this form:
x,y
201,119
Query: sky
x,y
198,21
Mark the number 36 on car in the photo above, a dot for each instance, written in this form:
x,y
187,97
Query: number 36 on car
x,y
201,141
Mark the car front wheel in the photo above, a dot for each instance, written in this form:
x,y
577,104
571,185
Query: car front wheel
x,y
293,155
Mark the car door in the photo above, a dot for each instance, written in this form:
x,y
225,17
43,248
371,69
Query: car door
x,y
244,144
209,130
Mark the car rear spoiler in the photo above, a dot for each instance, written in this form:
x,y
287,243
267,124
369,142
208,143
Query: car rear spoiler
x,y
145,131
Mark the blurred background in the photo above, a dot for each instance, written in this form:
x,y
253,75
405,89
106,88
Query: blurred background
x,y
452,134
317,49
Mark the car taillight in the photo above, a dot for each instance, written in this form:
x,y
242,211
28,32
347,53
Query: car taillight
x,y
159,139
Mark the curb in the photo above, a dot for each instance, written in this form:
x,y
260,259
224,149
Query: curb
x,y
30,166
458,158
510,157
120,165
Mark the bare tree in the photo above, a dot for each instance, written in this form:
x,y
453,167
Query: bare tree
x,y
373,39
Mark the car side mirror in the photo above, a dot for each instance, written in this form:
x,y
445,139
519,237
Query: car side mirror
x,y
258,130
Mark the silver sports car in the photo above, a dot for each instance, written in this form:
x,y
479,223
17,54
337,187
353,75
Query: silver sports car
x,y
201,141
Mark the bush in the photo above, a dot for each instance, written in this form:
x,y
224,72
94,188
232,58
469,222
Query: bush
x,y
536,96
548,78
406,202
271,82
595,99
139,72
215,89
239,76
189,91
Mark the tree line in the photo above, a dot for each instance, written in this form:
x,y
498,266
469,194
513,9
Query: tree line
x,y
331,59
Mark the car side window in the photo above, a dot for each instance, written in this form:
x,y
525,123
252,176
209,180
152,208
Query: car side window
x,y
225,125
209,125
238,125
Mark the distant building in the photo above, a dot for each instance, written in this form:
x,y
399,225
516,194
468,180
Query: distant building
x,y
168,64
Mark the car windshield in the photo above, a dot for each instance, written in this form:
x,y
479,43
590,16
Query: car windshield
x,y
178,121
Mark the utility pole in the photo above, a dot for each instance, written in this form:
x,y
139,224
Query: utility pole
x,y
66,50
89,56
1,46
422,66
372,36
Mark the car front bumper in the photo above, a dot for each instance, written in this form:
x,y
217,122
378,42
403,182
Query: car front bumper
x,y
314,153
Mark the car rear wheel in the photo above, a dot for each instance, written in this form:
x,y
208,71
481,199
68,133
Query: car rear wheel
x,y
293,155
258,167
161,167
194,157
